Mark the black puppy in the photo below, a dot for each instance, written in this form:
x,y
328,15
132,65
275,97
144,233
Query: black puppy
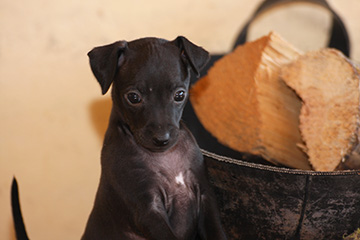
x,y
153,181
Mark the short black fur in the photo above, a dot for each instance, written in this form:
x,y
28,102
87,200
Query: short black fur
x,y
153,178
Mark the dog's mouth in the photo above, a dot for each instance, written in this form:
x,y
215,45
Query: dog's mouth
x,y
155,143
152,142
158,149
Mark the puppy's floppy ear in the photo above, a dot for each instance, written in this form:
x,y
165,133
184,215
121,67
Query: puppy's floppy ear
x,y
196,56
105,61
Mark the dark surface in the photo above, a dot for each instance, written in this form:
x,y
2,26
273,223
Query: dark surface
x,y
263,202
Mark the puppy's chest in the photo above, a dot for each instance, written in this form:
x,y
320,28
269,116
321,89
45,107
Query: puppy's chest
x,y
174,173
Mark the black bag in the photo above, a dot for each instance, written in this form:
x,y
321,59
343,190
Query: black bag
x,y
258,200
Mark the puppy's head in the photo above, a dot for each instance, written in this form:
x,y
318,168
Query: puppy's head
x,y
150,80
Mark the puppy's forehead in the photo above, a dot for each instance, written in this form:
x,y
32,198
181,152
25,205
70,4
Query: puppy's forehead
x,y
156,60
148,43
154,51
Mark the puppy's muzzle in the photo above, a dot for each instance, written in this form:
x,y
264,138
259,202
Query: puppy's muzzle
x,y
157,139
161,140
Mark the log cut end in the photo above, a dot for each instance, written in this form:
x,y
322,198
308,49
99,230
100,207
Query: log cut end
x,y
328,85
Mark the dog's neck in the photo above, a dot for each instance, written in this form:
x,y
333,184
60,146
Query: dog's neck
x,y
117,121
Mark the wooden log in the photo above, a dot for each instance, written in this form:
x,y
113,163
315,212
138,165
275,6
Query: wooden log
x,y
328,84
245,105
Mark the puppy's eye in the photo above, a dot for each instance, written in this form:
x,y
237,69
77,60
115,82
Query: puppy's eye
x,y
179,96
133,97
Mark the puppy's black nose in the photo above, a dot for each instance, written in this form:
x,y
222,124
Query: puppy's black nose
x,y
161,140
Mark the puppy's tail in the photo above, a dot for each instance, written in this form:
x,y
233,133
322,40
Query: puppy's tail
x,y
16,212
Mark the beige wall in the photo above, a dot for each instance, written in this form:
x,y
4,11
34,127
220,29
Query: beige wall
x,y
53,116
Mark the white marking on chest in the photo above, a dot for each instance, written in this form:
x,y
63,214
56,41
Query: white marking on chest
x,y
179,179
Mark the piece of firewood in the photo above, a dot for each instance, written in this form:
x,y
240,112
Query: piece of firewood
x,y
245,105
328,84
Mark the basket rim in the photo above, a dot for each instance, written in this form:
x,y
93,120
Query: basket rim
x,y
240,162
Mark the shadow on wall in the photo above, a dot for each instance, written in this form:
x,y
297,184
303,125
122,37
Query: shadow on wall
x,y
12,231
100,113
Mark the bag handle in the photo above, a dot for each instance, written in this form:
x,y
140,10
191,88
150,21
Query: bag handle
x,y
339,37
